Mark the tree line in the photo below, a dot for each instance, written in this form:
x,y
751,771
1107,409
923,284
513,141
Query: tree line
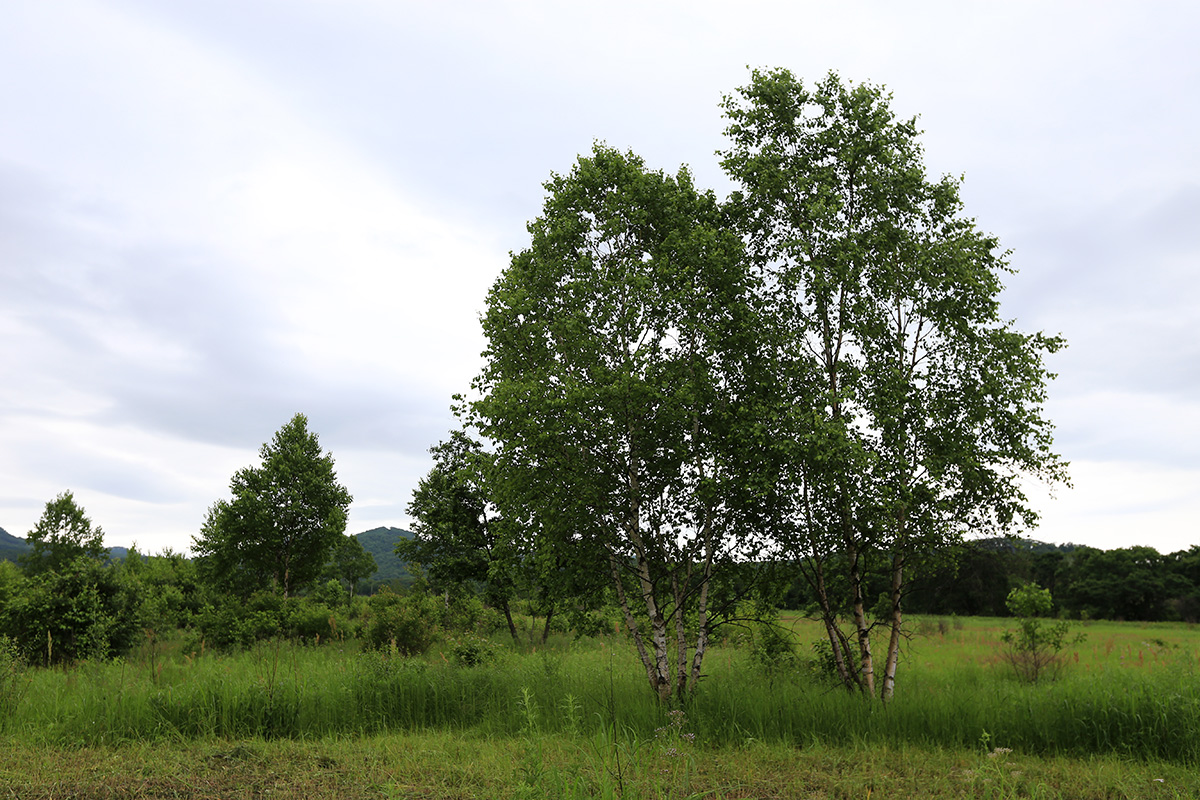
x,y
1129,583
283,531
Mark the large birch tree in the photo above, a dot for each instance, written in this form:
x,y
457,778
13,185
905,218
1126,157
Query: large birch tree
x,y
617,393
912,411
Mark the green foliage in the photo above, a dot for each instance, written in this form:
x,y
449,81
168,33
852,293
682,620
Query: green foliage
x,y
619,392
823,663
285,518
404,624
773,648
1034,648
84,611
12,678
231,623
460,540
331,593
63,533
169,588
313,621
1030,600
1124,583
469,650
351,563
12,583
906,411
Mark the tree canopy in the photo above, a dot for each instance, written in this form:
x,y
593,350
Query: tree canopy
x,y
283,521
62,534
921,408
616,392
815,371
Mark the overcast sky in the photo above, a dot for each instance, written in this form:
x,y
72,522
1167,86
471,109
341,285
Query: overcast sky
x,y
216,214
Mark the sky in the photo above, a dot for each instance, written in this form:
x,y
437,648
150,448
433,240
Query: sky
x,y
216,215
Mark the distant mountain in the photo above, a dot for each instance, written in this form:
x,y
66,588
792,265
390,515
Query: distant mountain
x,y
381,543
11,547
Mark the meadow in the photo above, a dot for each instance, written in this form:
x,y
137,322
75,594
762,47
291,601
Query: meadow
x,y
574,718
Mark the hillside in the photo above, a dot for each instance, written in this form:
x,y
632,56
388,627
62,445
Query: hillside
x,y
11,547
381,543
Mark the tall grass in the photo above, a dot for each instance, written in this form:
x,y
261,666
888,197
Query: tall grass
x,y
594,691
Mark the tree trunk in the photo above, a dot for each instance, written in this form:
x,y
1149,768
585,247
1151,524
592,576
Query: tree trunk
x,y
837,640
702,613
658,669
512,626
546,628
658,680
893,653
866,663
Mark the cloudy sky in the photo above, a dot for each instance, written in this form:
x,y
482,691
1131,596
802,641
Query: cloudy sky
x,y
216,214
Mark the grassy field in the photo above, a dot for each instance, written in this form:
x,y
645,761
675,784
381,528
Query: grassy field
x,y
574,719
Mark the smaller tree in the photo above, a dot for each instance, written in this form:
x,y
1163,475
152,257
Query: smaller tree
x,y
350,563
285,517
459,539
1034,648
63,534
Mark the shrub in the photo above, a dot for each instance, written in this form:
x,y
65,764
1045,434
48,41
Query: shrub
x,y
316,622
331,593
460,612
491,620
1034,648
85,611
772,647
823,663
471,651
231,624
406,623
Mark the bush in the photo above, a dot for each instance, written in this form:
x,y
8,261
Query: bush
x,y
461,613
823,663
772,647
406,624
231,624
85,611
591,623
472,651
331,593
1034,648
316,622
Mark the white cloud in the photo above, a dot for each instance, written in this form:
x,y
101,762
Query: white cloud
x,y
214,215
1121,504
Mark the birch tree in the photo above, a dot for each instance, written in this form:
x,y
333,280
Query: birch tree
x,y
925,407
617,392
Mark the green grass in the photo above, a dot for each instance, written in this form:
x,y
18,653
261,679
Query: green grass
x,y
446,764
576,720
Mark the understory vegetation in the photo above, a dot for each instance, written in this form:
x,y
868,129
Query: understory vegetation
x,y
573,716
